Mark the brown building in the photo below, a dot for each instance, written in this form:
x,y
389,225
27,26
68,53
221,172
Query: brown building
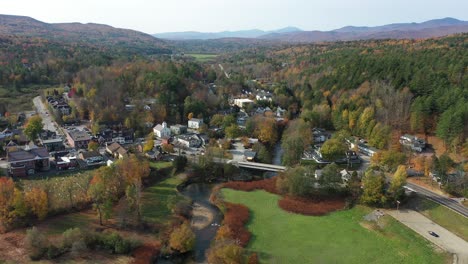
x,y
116,150
27,162
78,139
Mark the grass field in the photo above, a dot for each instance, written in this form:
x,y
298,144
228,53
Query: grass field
x,y
203,57
160,164
443,216
341,237
156,198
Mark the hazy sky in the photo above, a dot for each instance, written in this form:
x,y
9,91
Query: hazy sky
x,y
154,16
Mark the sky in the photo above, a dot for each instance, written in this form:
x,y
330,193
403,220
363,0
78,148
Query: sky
x,y
156,16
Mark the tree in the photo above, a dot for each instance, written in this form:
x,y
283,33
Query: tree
x,y
37,200
102,189
296,139
33,127
233,131
182,238
263,155
36,243
331,176
7,189
226,252
354,186
267,130
93,145
333,149
396,191
373,193
149,145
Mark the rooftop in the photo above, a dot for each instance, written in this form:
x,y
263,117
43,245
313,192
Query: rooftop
x,y
23,155
79,135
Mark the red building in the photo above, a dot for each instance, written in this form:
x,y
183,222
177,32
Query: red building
x,y
27,162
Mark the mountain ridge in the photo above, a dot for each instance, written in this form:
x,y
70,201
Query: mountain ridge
x,y
89,33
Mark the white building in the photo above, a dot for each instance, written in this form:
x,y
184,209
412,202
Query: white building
x,y
243,102
162,131
195,123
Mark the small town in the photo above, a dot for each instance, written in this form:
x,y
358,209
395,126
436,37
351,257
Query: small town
x,y
341,139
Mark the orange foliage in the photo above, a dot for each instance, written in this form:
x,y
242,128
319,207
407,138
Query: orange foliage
x,y
311,206
38,201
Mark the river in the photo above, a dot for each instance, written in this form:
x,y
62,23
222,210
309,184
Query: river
x,y
206,217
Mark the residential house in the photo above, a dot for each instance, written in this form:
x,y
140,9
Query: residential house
x,y
178,129
91,157
116,150
195,123
189,141
53,144
162,131
27,161
264,96
243,102
413,142
78,139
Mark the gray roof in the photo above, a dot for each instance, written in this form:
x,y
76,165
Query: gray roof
x,y
79,135
22,155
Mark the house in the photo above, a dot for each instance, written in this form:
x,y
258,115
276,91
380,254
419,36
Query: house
x,y
116,150
345,175
162,131
178,129
54,144
27,161
91,157
243,102
320,135
280,112
195,123
413,142
66,163
264,96
249,155
366,150
78,139
189,141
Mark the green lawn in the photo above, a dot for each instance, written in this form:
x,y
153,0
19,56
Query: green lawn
x,y
155,200
443,216
160,164
203,57
340,237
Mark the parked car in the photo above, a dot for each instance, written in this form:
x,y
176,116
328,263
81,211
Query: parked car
x,y
434,234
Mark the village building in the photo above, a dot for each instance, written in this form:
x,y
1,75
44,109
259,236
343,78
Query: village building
x,y
162,131
195,123
28,161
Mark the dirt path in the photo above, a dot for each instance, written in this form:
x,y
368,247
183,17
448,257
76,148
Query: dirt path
x,y
422,225
202,216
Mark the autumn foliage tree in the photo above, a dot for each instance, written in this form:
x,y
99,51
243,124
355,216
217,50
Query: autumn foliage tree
x,y
37,200
182,238
396,191
374,192
33,127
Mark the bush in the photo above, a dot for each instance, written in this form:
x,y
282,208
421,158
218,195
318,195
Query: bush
x,y
225,252
78,247
235,218
70,236
182,238
54,252
36,243
311,207
268,185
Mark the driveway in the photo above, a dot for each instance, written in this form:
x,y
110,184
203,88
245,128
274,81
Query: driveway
x,y
421,225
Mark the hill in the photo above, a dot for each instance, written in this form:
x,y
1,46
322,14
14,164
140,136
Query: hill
x,y
194,35
428,29
89,34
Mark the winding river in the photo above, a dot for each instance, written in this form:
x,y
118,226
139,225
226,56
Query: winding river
x,y
206,217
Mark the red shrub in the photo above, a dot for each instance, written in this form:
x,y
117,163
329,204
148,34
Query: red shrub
x,y
146,254
236,218
311,206
268,185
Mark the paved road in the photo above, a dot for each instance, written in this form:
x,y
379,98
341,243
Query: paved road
x,y
46,118
422,225
448,202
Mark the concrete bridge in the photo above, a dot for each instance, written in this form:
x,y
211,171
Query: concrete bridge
x,y
258,166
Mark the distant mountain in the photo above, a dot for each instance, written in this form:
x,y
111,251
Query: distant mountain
x,y
91,34
428,29
192,35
